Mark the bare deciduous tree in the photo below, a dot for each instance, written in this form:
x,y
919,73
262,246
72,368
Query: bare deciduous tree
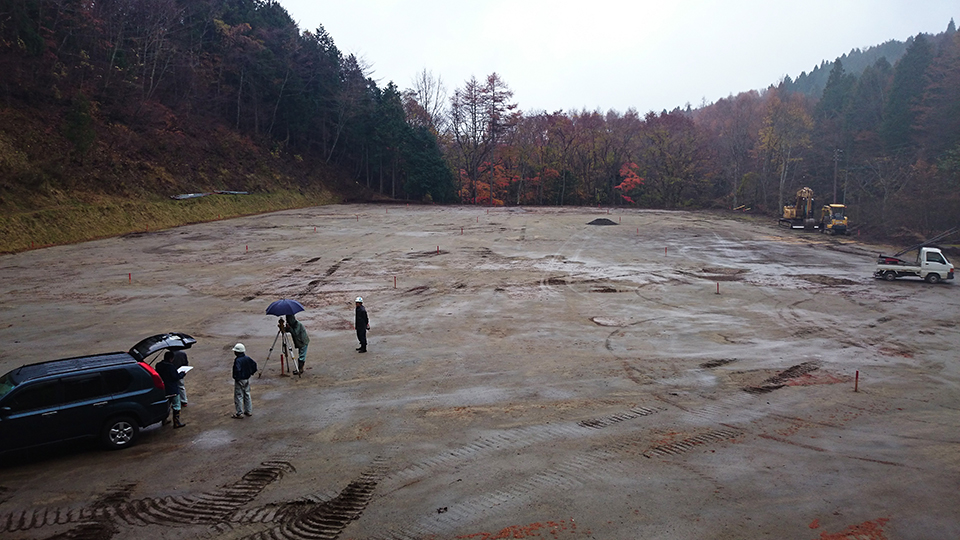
x,y
480,114
425,102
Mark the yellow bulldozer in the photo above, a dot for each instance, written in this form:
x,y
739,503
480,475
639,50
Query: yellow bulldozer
x,y
833,219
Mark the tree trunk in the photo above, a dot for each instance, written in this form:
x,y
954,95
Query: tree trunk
x,y
783,178
563,187
239,93
276,105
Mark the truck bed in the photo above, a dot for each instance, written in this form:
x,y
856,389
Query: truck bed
x,y
885,260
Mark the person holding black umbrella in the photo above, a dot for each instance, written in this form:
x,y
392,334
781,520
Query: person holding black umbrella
x,y
300,339
286,307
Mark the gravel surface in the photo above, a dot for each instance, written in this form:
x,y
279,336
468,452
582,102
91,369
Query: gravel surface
x,y
675,376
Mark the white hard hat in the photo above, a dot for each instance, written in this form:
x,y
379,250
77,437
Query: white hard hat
x,y
360,299
239,348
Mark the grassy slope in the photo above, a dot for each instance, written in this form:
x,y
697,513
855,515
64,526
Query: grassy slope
x,y
80,221
50,195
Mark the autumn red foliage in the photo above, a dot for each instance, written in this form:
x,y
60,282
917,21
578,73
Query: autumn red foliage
x,y
631,180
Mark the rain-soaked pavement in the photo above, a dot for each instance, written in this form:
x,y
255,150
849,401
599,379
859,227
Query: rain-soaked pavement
x,y
677,375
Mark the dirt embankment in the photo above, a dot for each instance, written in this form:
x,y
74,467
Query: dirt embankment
x,y
104,217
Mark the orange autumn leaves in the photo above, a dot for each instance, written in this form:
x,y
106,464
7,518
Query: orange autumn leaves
x,y
631,180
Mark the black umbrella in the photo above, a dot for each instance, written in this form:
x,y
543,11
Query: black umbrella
x,y
284,307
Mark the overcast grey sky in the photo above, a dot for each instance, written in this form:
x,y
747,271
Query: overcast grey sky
x,y
605,54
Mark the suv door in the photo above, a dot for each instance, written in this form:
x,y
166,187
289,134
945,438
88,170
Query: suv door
x,y
85,405
171,340
30,415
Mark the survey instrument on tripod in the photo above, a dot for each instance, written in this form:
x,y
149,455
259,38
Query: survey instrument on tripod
x,y
286,351
282,307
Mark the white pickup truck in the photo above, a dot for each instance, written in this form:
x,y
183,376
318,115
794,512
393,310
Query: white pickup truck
x,y
931,265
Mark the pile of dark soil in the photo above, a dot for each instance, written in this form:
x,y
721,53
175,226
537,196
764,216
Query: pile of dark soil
x,y
601,221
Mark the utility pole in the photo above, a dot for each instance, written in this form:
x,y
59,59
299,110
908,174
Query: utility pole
x,y
836,161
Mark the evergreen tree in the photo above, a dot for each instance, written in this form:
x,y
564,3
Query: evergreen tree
x,y
319,66
901,109
427,175
390,133
864,113
835,94
830,133
939,118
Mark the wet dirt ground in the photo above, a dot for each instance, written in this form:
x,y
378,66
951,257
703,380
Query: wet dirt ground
x,y
673,376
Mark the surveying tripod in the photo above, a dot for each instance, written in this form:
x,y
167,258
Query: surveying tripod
x,y
286,351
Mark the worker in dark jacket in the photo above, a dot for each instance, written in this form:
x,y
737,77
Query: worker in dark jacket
x,y
363,324
300,339
171,383
243,368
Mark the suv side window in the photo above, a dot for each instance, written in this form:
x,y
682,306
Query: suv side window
x,y
82,388
117,380
36,396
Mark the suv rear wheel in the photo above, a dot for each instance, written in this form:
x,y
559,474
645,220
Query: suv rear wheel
x,y
119,432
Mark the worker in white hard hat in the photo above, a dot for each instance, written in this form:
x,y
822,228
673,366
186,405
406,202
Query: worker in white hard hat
x,y
362,324
243,368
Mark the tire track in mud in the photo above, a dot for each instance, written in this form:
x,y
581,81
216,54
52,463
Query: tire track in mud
x,y
717,413
804,324
325,516
557,258
309,518
681,447
636,412
780,379
210,507
314,283
608,343
508,440
721,410
512,439
558,478
571,474
606,283
751,427
602,284
785,440
582,238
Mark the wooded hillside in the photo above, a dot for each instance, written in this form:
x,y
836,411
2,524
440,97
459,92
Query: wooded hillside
x,y
884,141
138,98
134,97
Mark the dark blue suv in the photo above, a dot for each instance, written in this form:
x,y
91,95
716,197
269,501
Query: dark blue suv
x,y
110,396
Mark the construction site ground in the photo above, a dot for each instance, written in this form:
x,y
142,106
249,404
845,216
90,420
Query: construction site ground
x,y
671,375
